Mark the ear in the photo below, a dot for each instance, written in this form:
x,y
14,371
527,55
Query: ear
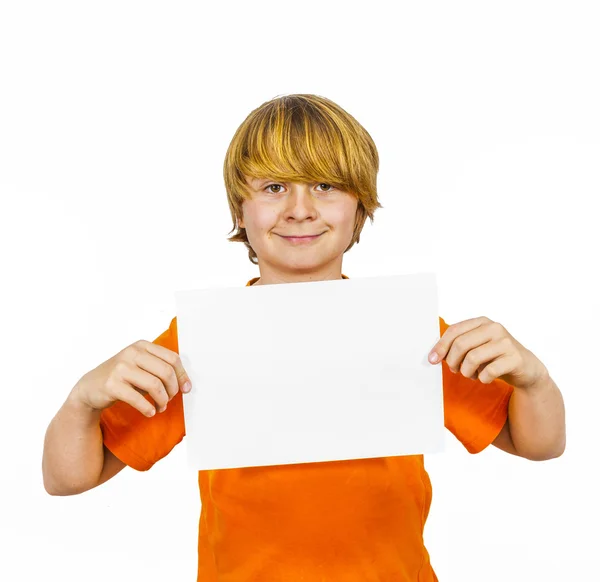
x,y
241,223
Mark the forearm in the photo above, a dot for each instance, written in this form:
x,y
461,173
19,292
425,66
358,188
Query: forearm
x,y
73,450
537,420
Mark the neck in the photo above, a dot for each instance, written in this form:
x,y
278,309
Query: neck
x,y
269,278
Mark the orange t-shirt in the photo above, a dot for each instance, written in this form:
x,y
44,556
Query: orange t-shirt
x,y
344,521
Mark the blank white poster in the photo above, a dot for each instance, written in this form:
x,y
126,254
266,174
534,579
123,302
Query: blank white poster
x,y
311,372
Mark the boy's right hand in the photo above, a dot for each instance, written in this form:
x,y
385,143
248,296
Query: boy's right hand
x,y
142,367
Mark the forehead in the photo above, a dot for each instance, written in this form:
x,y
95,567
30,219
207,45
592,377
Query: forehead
x,y
252,181
257,183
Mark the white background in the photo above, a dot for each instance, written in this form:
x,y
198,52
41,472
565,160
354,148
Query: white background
x,y
114,121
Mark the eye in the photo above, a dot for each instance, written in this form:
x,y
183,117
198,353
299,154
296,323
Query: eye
x,y
329,186
271,186
279,187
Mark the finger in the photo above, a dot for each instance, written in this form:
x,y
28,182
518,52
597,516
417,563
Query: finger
x,y
442,347
127,393
139,379
499,367
475,376
172,358
160,369
466,343
480,355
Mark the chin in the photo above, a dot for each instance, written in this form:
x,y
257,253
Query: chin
x,y
306,265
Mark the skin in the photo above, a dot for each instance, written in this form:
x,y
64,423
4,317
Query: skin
x,y
479,348
278,209
484,350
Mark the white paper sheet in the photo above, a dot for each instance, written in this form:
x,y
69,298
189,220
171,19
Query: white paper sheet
x,y
311,372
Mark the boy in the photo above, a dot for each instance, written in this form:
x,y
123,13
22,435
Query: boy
x,y
300,175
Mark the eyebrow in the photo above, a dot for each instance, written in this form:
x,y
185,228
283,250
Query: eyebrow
x,y
257,182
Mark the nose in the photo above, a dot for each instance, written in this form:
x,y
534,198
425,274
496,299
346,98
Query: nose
x,y
300,204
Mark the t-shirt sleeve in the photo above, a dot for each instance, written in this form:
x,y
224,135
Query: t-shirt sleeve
x,y
140,441
474,412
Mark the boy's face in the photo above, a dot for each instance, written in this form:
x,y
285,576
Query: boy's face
x,y
278,212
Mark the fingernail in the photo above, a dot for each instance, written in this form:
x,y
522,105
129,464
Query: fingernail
x,y
186,387
433,357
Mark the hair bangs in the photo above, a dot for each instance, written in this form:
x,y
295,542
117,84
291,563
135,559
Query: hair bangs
x,y
302,138
297,143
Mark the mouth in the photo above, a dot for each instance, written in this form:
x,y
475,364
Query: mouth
x,y
299,239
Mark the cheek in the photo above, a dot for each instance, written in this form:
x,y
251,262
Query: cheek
x,y
344,217
267,220
259,220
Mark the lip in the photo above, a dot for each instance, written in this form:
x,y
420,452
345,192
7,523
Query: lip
x,y
301,239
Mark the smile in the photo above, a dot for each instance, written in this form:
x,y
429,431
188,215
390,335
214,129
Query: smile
x,y
300,239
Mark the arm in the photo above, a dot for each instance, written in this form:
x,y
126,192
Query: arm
x,y
74,458
535,428
483,350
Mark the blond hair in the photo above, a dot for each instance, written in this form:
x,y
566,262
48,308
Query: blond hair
x,y
302,138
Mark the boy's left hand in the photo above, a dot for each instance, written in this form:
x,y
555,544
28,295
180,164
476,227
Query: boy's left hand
x,y
483,350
